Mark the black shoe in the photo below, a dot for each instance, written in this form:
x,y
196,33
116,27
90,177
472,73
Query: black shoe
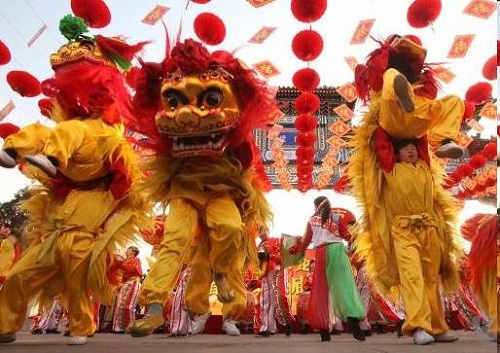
x,y
66,333
52,331
37,331
288,329
325,335
263,334
399,328
367,333
336,332
357,333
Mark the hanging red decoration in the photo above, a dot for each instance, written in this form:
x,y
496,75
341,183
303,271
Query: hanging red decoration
x,y
4,54
209,28
304,169
307,102
479,92
24,83
422,13
490,68
45,105
306,79
477,161
308,10
307,45
200,1
470,108
306,122
95,13
306,138
305,153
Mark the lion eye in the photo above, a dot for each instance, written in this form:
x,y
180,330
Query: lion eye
x,y
174,98
211,98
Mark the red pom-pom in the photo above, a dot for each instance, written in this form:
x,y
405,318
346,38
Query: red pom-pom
x,y
464,170
306,123
477,161
4,54
209,28
308,10
95,13
307,45
490,150
470,108
307,102
306,79
306,139
45,105
24,83
305,153
422,13
49,88
490,68
7,129
479,92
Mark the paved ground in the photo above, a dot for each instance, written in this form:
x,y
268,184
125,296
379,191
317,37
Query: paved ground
x,y
470,342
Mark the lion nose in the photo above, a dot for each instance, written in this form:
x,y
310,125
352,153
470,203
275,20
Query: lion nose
x,y
187,119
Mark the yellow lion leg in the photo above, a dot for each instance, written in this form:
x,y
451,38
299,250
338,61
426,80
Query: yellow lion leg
x,y
225,293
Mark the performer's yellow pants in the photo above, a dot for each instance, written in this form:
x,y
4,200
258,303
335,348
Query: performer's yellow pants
x,y
69,272
199,284
418,255
439,119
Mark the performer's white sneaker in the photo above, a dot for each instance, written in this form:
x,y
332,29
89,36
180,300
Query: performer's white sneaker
x,y
446,337
77,340
229,327
421,337
199,323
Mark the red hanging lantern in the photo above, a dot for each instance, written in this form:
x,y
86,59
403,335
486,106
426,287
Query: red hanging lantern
x,y
479,92
48,87
490,150
307,102
307,45
4,54
200,1
306,80
490,68
209,28
95,13
477,161
306,139
308,10
305,153
422,13
305,123
24,83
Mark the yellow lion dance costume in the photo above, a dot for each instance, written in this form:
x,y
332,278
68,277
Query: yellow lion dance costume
x,y
198,112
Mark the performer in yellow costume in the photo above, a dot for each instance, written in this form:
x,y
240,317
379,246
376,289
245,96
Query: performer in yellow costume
x,y
88,204
396,80
203,107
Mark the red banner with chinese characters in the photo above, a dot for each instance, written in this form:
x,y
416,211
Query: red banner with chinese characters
x,y
259,3
480,8
155,15
460,46
262,35
266,69
362,31
443,74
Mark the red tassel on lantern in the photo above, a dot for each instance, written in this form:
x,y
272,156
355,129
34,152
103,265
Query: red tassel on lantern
x,y
422,13
307,102
479,92
306,79
209,28
24,83
308,10
307,45
4,54
95,13
490,68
